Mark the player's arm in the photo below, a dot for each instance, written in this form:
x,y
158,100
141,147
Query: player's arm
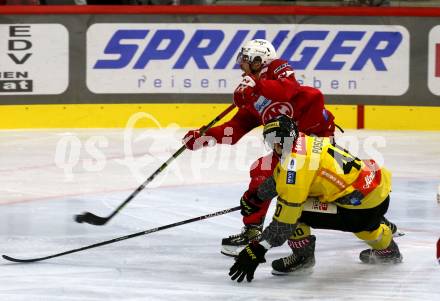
x,y
280,229
229,132
293,187
277,232
233,130
261,187
283,89
280,84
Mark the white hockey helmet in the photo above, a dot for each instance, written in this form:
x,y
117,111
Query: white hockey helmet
x,y
257,48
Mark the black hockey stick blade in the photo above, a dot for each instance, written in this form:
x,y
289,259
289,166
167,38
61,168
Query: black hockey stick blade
x,y
20,260
91,218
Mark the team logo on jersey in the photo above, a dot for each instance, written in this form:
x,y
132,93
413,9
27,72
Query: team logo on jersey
x,y
300,145
276,109
292,165
291,172
261,104
291,177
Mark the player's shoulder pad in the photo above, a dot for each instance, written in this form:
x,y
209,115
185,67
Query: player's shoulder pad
x,y
279,66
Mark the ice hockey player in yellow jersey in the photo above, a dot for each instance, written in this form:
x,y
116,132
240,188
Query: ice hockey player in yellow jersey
x,y
320,185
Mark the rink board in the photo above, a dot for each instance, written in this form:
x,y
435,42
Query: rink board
x,y
87,66
196,115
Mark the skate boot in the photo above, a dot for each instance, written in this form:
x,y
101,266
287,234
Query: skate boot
x,y
385,256
392,226
300,262
233,244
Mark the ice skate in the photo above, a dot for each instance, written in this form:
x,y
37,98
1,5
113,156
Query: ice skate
x,y
389,255
300,262
233,244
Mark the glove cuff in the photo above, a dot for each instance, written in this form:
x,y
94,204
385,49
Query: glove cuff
x,y
259,250
266,245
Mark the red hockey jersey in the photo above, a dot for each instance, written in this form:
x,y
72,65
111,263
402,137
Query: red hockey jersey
x,y
275,91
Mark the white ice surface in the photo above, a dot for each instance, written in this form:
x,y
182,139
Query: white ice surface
x,y
38,199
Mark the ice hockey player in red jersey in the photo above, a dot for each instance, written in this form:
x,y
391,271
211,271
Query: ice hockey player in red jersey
x,y
268,89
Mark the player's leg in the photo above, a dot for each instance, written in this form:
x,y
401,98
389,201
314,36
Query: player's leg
x,y
302,258
365,224
253,223
302,242
371,229
393,227
383,248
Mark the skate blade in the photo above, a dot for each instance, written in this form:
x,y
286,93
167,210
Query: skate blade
x,y
300,272
232,251
374,261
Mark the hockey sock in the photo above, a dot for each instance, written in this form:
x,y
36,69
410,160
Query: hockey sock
x,y
378,239
301,231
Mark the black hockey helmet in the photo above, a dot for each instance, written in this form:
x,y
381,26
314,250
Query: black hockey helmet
x,y
281,129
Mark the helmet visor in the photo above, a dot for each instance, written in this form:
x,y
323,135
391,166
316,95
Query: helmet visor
x,y
246,58
273,138
270,139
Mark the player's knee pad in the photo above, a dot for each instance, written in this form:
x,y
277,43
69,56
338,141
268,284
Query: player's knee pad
x,y
378,239
301,231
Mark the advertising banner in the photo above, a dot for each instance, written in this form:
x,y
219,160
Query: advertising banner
x,y
35,59
180,58
434,61
157,57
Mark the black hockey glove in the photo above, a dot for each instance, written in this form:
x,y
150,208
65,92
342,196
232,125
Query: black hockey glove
x,y
249,204
247,262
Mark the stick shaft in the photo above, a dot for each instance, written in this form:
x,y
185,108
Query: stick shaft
x,y
166,163
146,232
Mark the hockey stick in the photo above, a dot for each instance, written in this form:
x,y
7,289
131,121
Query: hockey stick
x,y
195,219
93,219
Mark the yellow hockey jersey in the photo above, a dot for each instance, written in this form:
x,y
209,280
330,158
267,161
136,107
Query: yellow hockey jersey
x,y
320,169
